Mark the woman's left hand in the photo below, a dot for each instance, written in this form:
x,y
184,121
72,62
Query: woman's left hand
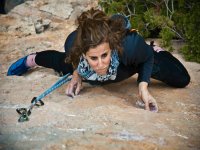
x,y
147,98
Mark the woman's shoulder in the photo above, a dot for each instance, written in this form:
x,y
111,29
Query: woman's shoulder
x,y
133,43
133,39
130,46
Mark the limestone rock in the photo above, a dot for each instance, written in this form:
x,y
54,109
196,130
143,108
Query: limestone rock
x,y
42,25
60,9
23,25
10,4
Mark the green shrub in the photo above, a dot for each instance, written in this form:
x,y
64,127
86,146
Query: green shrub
x,y
173,19
192,33
166,36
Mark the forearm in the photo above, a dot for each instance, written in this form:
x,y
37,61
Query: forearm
x,y
145,67
143,86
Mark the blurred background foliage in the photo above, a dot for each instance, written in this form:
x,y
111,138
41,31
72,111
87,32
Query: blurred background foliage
x,y
164,19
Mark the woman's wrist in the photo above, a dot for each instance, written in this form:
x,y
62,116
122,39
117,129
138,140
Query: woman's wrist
x,y
143,86
76,75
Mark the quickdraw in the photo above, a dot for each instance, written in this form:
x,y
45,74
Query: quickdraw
x,y
36,101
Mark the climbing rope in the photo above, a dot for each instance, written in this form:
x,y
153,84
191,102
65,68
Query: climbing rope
x,y
37,101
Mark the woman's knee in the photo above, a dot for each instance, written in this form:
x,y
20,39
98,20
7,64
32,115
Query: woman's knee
x,y
181,82
171,70
185,81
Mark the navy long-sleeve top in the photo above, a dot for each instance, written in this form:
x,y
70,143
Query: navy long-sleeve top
x,y
138,54
137,57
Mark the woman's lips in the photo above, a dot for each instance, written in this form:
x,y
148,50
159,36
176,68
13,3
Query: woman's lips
x,y
102,71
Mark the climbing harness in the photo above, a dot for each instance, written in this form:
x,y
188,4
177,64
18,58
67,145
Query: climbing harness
x,y
36,101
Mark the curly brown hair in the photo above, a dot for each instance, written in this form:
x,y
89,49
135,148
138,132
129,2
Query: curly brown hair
x,y
95,28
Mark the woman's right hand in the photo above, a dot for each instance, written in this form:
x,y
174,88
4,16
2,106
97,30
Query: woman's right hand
x,y
147,98
74,86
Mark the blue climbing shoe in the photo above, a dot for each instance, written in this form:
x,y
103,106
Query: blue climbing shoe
x,y
18,68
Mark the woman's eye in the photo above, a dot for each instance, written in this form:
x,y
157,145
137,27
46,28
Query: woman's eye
x,y
93,58
104,55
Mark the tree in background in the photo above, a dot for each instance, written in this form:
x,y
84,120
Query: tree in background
x,y
166,19
191,28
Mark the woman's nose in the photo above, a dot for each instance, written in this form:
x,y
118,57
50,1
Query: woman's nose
x,y
100,63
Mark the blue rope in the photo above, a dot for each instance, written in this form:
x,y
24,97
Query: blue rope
x,y
60,82
25,112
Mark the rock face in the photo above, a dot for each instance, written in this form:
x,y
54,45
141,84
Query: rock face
x,y
101,117
60,9
10,4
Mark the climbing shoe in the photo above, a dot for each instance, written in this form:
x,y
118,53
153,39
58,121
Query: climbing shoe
x,y
18,68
